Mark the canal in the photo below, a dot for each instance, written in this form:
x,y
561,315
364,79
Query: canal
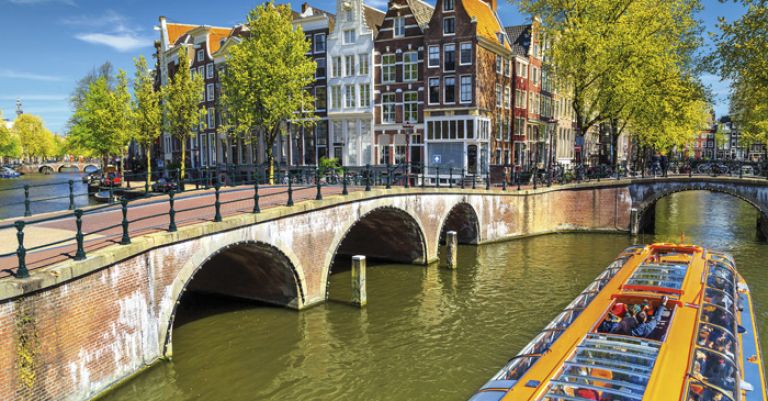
x,y
47,193
427,333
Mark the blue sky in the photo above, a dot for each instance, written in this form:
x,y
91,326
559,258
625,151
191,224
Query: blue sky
x,y
47,45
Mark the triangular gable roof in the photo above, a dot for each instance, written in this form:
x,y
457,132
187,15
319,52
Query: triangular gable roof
x,y
488,22
520,37
373,18
422,11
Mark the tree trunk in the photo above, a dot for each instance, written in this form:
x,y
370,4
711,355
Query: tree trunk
x,y
271,166
149,164
183,160
614,142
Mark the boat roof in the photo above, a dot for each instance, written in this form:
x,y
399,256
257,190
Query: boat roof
x,y
582,362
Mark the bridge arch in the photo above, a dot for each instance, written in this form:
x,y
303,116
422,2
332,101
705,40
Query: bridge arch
x,y
385,233
72,167
90,168
463,219
245,269
46,169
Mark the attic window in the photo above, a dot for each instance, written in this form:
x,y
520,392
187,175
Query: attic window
x,y
501,37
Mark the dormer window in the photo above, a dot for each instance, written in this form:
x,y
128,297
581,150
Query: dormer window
x,y
449,25
200,55
349,36
399,27
448,5
501,38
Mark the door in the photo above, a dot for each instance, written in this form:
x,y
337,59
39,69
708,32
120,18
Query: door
x,y
472,159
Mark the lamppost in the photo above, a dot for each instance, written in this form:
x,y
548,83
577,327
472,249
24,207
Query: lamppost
x,y
552,122
408,129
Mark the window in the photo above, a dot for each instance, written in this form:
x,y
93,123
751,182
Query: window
x,y
434,90
211,118
320,71
498,64
201,71
336,97
388,68
388,108
466,53
209,71
410,107
210,89
507,66
410,66
319,42
530,102
520,99
362,60
399,27
466,89
449,57
498,95
349,36
320,98
200,55
535,75
365,95
349,66
450,90
519,126
448,5
449,25
507,97
434,56
336,67
349,96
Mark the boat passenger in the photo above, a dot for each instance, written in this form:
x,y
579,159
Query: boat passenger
x,y
645,326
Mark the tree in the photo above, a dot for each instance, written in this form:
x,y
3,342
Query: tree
x,y
10,146
102,122
146,111
264,84
606,50
36,141
105,71
181,104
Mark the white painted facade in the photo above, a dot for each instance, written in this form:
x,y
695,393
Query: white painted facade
x,y
350,72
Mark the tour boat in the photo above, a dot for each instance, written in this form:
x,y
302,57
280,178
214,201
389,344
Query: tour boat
x,y
615,341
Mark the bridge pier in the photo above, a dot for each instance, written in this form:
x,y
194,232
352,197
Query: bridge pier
x,y
762,227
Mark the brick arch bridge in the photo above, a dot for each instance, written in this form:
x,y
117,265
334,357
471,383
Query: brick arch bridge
x,y
645,194
73,329
56,167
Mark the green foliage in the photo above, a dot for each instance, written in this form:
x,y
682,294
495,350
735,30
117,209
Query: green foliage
x,y
328,164
147,115
10,145
181,104
35,139
264,84
102,120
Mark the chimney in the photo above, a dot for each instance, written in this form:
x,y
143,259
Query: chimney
x,y
304,7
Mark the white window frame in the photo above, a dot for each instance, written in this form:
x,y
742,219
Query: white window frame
x,y
388,108
461,91
447,3
211,118
388,69
429,90
209,89
349,96
200,55
507,96
318,97
365,95
398,27
335,97
498,95
209,71
445,89
429,56
454,26
411,103
325,43
461,53
350,36
336,67
363,67
445,51
321,61
411,67
349,66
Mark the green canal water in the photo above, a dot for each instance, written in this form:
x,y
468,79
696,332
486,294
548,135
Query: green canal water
x,y
427,333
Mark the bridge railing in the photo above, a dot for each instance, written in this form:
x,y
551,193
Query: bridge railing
x,y
208,194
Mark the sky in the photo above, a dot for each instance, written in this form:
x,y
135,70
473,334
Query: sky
x,y
47,45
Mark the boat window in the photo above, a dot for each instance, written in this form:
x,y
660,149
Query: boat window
x,y
720,283
699,391
665,275
718,339
718,316
606,366
719,298
714,369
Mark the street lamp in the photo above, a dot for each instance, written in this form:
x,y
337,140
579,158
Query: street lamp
x,y
408,129
551,154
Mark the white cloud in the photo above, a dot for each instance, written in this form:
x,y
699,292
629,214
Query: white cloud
x,y
122,42
11,74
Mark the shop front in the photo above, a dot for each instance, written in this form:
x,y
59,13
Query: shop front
x,y
456,143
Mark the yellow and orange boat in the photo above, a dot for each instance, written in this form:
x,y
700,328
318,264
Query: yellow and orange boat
x,y
663,322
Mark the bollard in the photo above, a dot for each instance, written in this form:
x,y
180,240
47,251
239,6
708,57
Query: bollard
x,y
437,176
451,240
344,190
124,206
462,178
319,195
368,177
389,176
359,296
80,253
171,212
27,211
256,208
71,195
21,252
450,177
290,194
217,203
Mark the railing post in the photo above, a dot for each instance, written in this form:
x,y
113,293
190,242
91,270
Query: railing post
x,y
319,195
474,181
71,195
488,180
389,176
407,175
368,177
217,203
289,203
450,177
80,253
171,212
27,210
437,176
256,208
124,206
423,175
21,252
344,190
462,178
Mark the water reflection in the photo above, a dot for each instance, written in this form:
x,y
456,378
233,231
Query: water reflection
x,y
428,333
